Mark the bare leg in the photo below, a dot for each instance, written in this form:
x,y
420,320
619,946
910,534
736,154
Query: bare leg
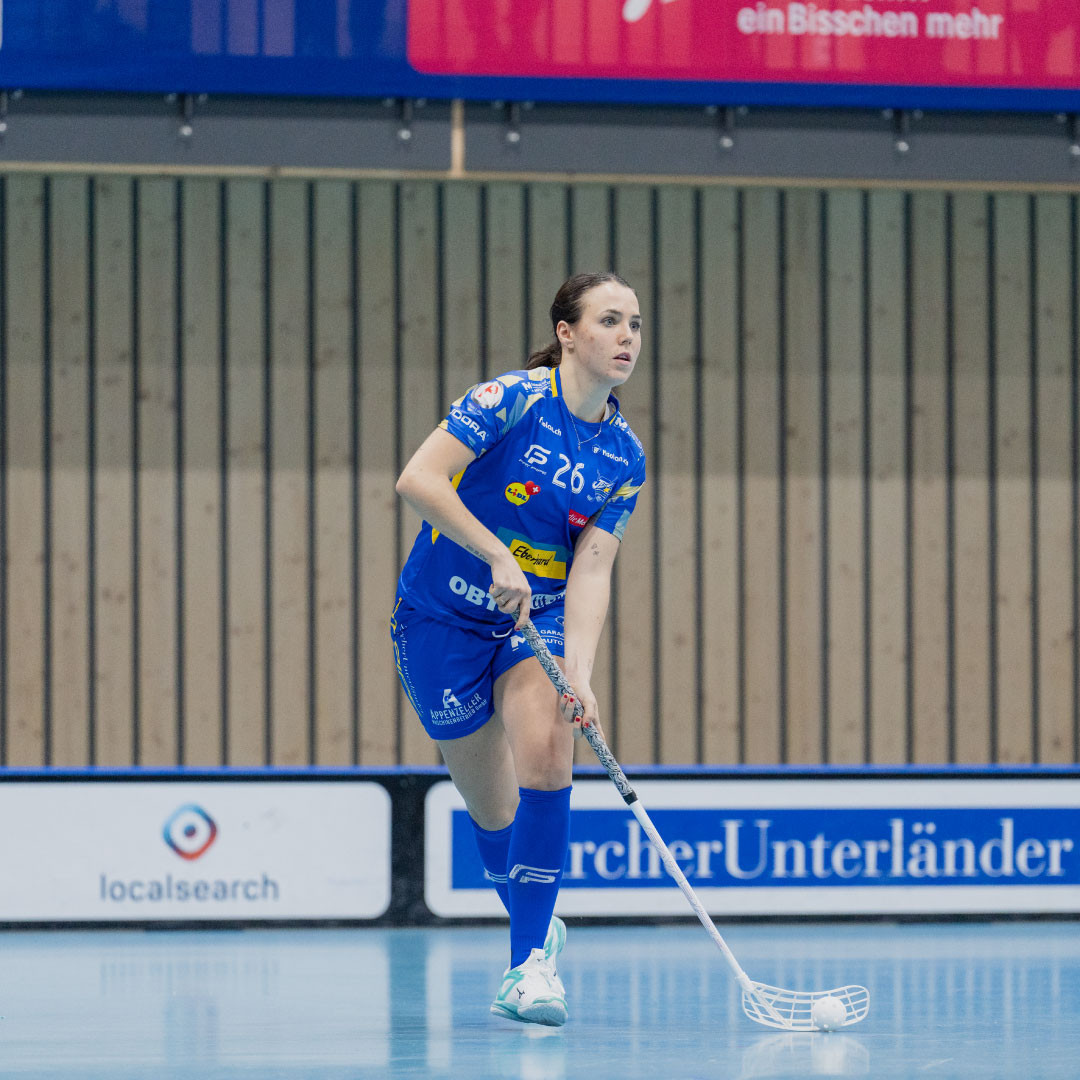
x,y
482,769
540,740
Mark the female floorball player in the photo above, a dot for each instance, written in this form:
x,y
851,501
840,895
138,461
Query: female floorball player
x,y
525,490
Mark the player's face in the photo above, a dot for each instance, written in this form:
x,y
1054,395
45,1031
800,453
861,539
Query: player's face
x,y
606,339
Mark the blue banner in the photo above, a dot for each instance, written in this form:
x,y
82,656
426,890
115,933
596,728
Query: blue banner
x,y
784,847
990,55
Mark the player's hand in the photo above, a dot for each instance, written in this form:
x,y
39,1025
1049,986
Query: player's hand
x,y
510,589
589,711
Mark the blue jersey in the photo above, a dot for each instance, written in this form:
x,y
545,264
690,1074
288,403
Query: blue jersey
x,y
539,477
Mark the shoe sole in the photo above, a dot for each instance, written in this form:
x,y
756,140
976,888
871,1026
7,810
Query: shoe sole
x,y
548,1013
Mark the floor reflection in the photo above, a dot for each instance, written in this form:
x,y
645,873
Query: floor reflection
x,y
650,1002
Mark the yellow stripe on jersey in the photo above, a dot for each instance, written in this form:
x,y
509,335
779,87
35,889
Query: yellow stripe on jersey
x,y
626,491
454,481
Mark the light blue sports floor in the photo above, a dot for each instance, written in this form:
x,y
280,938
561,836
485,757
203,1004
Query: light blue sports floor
x,y
987,1000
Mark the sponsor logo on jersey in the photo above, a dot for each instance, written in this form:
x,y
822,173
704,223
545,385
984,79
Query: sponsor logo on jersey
x,y
551,427
519,494
489,395
541,560
473,594
470,423
449,701
536,455
610,455
579,521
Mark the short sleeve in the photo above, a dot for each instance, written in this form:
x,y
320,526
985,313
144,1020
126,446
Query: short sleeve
x,y
488,410
617,510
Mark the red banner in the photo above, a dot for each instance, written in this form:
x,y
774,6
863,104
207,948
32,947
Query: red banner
x,y
1031,44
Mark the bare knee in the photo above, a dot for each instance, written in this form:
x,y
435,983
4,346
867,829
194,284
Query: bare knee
x,y
546,765
492,815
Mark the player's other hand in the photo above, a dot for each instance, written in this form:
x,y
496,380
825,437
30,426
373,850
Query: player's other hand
x,y
510,589
581,708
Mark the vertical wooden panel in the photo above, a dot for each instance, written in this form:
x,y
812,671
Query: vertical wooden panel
x,y
114,481
676,475
1074,274
378,554
803,488
634,696
418,373
590,229
1012,331
201,442
25,436
719,486
333,480
462,277
846,548
505,276
1054,448
246,476
971,427
761,494
888,525
929,481
69,437
156,480
290,428
547,257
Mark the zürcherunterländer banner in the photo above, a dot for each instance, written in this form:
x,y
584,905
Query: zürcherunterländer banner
x,y
806,846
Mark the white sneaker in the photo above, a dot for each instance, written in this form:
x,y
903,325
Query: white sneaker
x,y
532,992
556,938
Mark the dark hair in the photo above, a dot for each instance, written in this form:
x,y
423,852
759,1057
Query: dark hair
x,y
566,307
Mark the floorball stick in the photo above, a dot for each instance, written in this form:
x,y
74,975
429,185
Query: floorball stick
x,y
793,1010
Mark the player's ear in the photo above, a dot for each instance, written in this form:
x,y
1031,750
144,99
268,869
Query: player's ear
x,y
565,334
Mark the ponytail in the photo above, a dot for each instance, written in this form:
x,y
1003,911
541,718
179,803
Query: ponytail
x,y
549,356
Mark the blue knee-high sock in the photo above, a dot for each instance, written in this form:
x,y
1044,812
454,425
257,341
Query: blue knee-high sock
x,y
535,863
494,848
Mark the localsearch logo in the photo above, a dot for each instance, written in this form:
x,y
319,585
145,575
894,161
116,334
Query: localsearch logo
x,y
190,831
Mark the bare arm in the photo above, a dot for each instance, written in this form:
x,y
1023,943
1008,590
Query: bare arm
x,y
588,591
427,485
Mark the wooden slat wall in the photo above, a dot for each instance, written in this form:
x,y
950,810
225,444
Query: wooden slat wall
x,y
859,540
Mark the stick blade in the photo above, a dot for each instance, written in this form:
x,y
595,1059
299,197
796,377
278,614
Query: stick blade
x,y
793,1008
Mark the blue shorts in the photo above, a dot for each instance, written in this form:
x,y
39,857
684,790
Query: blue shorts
x,y
449,671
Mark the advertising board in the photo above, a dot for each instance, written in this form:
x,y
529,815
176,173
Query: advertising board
x,y
794,847
151,850
971,54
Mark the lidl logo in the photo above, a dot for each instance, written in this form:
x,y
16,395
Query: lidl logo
x,y
190,831
519,494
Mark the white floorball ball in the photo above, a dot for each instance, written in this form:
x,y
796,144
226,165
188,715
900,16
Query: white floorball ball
x,y
828,1013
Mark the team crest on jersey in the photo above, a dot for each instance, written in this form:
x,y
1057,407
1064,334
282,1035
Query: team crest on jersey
x,y
489,395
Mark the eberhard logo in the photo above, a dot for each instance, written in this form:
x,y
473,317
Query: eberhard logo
x,y
537,561
541,561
